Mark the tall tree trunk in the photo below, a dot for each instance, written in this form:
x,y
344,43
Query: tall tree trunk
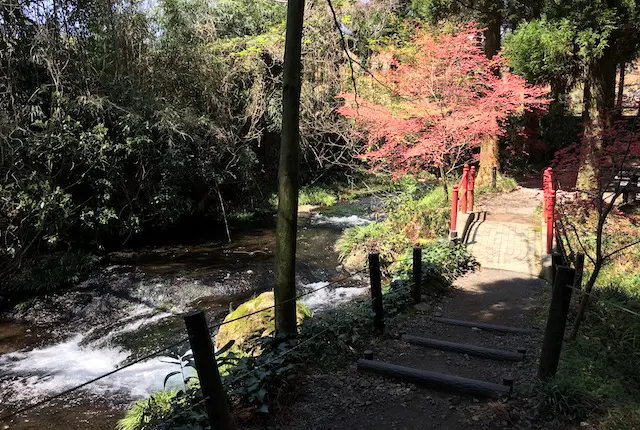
x,y
489,149
598,115
489,157
288,172
559,94
620,97
493,24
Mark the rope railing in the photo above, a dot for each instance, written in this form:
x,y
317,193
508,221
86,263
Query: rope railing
x,y
164,349
331,284
190,339
566,280
92,381
600,299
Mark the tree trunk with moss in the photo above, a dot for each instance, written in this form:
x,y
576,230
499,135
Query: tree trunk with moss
x,y
288,172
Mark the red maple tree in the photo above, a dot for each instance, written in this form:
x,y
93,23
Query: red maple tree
x,y
433,110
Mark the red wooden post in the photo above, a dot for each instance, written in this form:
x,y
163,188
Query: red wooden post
x,y
465,186
470,191
551,202
547,186
453,231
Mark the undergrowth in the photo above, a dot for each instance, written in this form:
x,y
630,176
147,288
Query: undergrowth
x,y
504,184
47,273
414,217
598,378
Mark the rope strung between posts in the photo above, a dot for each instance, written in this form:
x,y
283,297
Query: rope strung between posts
x,y
331,284
91,381
609,302
180,342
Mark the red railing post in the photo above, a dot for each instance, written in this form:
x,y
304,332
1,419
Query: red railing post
x,y
547,186
464,185
551,203
453,230
548,206
470,192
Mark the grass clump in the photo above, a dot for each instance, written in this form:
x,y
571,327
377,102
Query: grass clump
x,y
414,217
311,195
504,184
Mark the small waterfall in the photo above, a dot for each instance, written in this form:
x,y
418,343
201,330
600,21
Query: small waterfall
x,y
27,376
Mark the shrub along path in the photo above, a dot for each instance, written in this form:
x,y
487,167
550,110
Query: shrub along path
x,y
348,399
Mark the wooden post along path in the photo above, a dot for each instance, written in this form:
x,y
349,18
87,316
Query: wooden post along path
x,y
556,322
375,278
203,354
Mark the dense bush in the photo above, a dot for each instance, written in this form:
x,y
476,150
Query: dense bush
x,y
139,118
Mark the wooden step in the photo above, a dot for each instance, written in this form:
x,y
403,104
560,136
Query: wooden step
x,y
485,326
434,379
465,348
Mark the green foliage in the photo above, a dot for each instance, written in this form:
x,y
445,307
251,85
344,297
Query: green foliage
x,y
598,378
316,196
544,51
564,397
311,195
415,216
440,259
166,410
48,273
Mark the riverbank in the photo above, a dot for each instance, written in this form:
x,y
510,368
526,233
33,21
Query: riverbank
x,y
131,305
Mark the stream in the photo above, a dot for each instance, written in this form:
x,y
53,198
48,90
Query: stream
x,y
132,304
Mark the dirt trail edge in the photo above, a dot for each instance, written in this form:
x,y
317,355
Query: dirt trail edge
x,y
507,295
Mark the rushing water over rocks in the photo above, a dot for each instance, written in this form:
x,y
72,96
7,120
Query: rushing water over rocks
x,y
132,306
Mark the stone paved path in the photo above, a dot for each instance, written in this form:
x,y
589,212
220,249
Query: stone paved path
x,y
508,238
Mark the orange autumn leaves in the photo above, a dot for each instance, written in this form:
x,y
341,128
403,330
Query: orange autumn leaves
x,y
439,105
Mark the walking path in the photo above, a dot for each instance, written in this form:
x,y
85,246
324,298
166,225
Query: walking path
x,y
506,290
509,237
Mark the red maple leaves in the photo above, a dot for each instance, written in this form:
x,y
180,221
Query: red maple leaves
x,y
439,105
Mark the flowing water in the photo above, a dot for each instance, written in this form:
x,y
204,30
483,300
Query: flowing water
x,y
132,305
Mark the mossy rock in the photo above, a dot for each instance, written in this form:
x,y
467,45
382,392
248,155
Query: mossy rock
x,y
258,325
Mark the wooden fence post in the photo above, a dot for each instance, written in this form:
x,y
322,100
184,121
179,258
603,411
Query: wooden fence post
x,y
579,270
208,374
376,290
417,275
556,322
556,261
494,177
